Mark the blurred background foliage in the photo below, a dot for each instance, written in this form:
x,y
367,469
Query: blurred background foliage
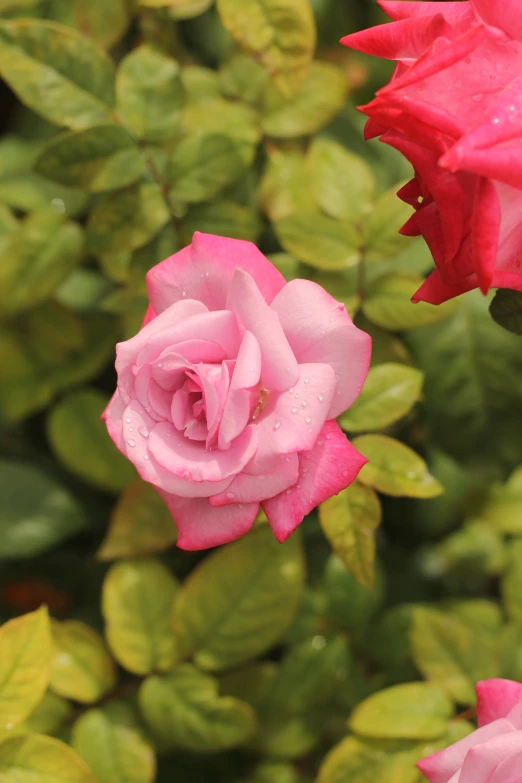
x,y
350,651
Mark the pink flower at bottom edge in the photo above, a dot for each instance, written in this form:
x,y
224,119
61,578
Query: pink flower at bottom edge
x,y
492,753
227,397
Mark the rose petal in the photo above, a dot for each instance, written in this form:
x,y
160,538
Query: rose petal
x,y
506,15
453,12
204,272
319,329
245,377
201,525
407,39
331,466
248,488
482,760
113,417
278,364
485,235
435,291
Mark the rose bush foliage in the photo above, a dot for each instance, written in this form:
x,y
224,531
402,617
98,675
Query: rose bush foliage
x,y
135,133
452,109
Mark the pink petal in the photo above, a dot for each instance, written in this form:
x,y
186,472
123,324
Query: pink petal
x,y
319,329
292,421
485,232
191,460
138,429
453,12
331,466
245,377
404,40
249,488
126,352
278,364
509,770
201,351
149,315
482,760
496,698
506,15
435,291
113,418
502,163
440,767
201,525
204,272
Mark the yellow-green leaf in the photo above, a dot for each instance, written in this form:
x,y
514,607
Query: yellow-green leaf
x,y
149,94
388,304
104,22
57,72
389,393
202,166
394,469
184,708
239,601
80,440
319,240
137,604
25,662
342,183
414,710
381,226
316,102
82,668
48,717
285,188
349,520
38,759
225,118
355,761
279,34
140,524
512,581
115,753
503,507
103,157
180,9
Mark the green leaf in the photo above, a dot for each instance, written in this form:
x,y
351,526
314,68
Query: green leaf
x,y
278,34
41,251
395,469
80,440
140,524
381,227
8,6
388,304
473,383
342,183
316,102
506,309
319,240
202,166
137,604
127,219
349,520
36,513
25,661
183,708
82,668
285,188
474,549
115,753
105,23
272,772
503,506
103,157
363,762
225,118
451,654
180,9
77,78
224,218
389,393
511,584
38,759
48,717
242,78
415,710
239,601
149,94
350,605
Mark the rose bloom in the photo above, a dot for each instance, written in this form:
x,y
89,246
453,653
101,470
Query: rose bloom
x,y
227,397
493,753
454,109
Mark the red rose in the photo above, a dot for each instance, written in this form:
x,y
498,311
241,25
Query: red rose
x,y
454,109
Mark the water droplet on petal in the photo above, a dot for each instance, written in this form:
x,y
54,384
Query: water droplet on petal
x,y
345,473
332,320
308,419
207,274
320,397
251,369
294,409
144,431
277,425
230,495
328,437
262,477
128,419
131,443
291,390
145,456
323,331
304,403
288,491
287,459
307,380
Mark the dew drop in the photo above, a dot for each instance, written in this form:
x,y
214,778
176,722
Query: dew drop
x,y
144,431
128,419
294,409
262,477
332,320
288,491
230,495
496,121
307,380
320,397
345,473
287,459
251,369
304,403
277,425
308,419
131,443
328,437
297,396
207,274
291,390
145,456
323,331
299,486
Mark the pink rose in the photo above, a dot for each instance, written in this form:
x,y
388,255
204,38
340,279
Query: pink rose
x,y
493,753
454,109
227,397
